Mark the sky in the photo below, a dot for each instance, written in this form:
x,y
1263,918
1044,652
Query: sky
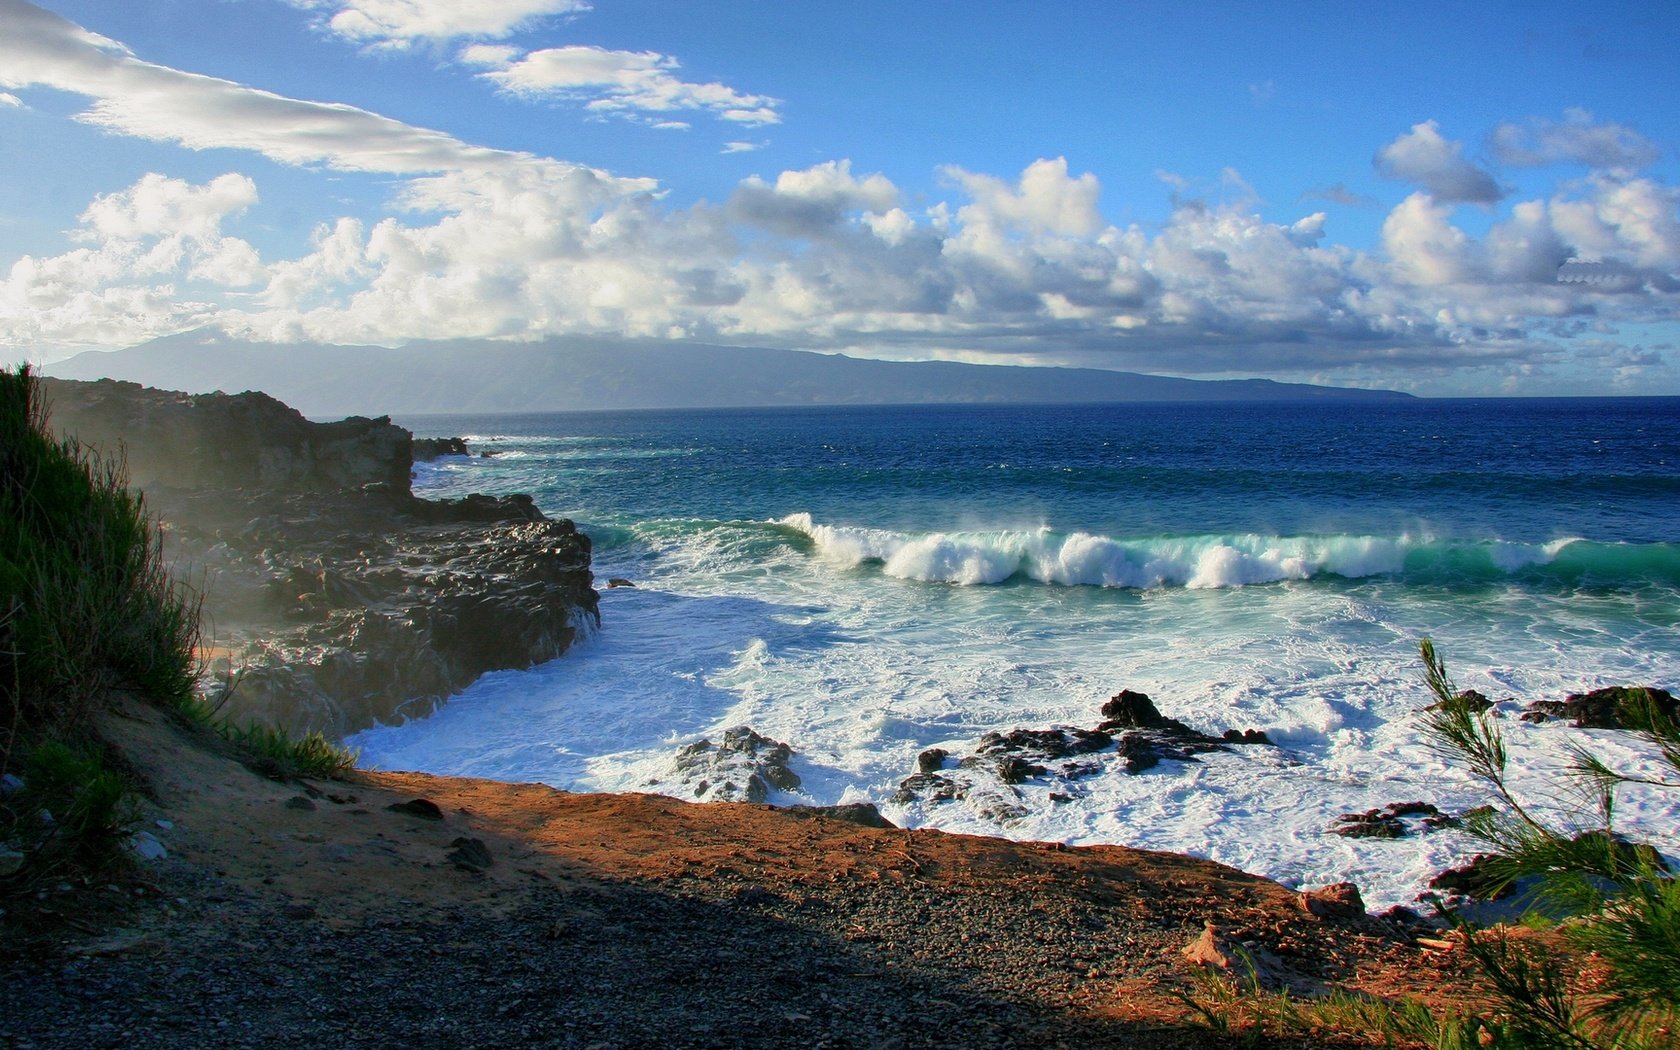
x,y
1445,198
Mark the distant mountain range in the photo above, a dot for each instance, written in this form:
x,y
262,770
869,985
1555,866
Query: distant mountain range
x,y
582,373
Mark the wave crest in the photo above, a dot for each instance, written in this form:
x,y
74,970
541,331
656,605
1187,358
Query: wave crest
x,y
1079,559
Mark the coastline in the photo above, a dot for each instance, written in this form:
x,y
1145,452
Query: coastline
x,y
335,900
310,912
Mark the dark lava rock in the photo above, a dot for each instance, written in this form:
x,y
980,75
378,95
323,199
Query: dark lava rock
x,y
436,448
1384,823
1138,752
863,814
1617,707
424,808
932,760
743,765
1469,699
343,599
1014,770
470,855
1130,710
1135,736
1473,880
1059,742
929,787
244,441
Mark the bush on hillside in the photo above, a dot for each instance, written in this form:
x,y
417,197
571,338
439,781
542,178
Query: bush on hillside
x,y
86,601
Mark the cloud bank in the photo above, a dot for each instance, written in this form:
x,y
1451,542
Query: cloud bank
x,y
1023,267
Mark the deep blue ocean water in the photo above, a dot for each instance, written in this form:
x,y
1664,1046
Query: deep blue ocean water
x,y
867,582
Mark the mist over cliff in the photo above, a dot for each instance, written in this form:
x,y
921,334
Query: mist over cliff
x,y
582,373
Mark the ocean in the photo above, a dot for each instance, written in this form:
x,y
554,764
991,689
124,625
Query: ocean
x,y
865,583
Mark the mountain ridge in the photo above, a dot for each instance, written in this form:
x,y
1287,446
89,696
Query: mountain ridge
x,y
476,375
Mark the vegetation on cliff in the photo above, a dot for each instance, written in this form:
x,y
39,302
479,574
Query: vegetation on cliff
x,y
87,607
89,611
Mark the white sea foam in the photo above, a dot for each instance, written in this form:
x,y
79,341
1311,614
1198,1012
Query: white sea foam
x,y
1197,562
862,645
860,673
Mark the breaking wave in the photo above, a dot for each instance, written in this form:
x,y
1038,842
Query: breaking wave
x,y
1078,559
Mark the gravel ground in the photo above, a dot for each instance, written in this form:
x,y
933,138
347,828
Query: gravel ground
x,y
684,963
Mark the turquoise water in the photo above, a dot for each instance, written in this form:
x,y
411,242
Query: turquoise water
x,y
867,582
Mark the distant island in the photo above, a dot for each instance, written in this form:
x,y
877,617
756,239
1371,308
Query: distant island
x,y
566,374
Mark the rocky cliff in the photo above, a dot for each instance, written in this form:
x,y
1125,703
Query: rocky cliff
x,y
333,597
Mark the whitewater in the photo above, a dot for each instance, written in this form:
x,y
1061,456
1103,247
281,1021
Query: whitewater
x,y
868,583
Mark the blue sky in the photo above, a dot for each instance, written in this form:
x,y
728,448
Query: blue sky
x,y
1345,193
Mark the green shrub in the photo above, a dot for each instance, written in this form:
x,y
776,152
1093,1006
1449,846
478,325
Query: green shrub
x,y
1623,903
87,603
276,753
73,812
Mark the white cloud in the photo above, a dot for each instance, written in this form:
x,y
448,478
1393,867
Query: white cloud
x,y
396,24
144,240
1578,138
1044,200
9,99
481,242
624,83
811,203
741,147
1423,157
134,97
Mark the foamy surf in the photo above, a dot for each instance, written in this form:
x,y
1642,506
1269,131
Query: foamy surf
x,y
920,597
1079,559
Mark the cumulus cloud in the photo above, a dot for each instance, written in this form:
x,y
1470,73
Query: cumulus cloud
x,y
635,84
143,243
810,203
487,243
1421,156
1044,200
9,99
1577,139
397,24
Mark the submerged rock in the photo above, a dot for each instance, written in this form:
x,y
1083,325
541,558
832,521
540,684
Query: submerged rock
x,y
1386,822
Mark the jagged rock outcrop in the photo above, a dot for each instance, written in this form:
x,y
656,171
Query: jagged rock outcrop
x,y
743,766
436,448
334,597
1133,735
248,441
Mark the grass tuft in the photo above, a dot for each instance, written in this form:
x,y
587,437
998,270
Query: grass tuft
x,y
276,753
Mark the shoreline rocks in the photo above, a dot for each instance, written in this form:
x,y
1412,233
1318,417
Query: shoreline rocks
x,y
1133,735
1616,707
743,766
